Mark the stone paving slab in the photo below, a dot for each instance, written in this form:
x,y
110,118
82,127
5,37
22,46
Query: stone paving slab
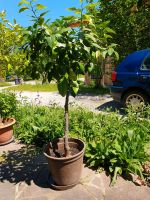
x,y
24,176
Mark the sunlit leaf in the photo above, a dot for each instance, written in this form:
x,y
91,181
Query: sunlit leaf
x,y
40,7
23,9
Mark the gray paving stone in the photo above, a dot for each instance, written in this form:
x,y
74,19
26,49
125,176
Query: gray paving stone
x,y
76,193
97,181
96,192
127,190
36,198
7,191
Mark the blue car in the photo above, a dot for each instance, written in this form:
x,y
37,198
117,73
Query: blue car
x,y
131,79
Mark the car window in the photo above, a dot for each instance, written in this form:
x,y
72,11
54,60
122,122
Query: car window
x,y
146,63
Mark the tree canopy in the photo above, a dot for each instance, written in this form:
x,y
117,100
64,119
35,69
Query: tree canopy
x,y
130,20
12,59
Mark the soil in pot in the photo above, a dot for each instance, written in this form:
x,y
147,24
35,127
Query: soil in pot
x,y
65,171
5,121
60,153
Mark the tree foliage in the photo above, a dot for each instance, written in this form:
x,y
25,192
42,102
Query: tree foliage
x,y
130,21
12,59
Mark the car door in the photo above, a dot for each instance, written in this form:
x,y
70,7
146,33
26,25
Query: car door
x,y
144,73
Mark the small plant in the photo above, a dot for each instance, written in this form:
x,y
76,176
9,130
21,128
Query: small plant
x,y
8,104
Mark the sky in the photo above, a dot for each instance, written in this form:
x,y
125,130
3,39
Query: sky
x,y
56,8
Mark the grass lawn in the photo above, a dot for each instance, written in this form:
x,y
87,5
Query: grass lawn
x,y
53,88
4,84
35,88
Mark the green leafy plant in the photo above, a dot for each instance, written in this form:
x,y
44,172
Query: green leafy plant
x,y
123,148
38,124
8,104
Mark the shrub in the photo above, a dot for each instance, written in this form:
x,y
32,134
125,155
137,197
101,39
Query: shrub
x,y
8,104
38,124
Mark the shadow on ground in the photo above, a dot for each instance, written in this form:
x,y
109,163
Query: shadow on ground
x,y
25,164
111,106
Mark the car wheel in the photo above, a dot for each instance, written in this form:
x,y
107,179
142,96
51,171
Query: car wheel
x,y
135,99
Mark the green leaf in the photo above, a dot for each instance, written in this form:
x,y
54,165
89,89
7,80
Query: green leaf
x,y
23,2
87,49
117,55
63,86
40,7
41,21
104,54
9,67
43,14
113,160
117,171
82,68
74,84
117,146
75,89
109,30
90,36
72,75
96,45
23,9
61,44
107,36
130,134
110,51
98,54
90,69
74,9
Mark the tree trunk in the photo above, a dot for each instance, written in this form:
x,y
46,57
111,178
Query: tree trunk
x,y
44,78
67,152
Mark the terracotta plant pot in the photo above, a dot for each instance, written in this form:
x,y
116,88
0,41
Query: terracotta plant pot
x,y
65,171
6,131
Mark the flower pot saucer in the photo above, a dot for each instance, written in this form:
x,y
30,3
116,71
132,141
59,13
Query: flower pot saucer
x,y
59,187
9,141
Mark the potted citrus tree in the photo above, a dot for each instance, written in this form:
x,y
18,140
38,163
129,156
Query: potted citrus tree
x,y
8,105
62,56
62,52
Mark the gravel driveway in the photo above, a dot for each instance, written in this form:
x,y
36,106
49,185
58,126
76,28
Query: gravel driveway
x,y
93,103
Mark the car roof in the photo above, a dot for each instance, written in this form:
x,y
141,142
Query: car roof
x,y
134,60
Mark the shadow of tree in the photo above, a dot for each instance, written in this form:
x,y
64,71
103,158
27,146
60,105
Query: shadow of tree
x,y
26,164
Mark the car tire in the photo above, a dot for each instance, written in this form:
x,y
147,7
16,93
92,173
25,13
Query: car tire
x,y
135,99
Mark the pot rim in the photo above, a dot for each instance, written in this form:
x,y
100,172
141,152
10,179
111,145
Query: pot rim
x,y
65,158
10,124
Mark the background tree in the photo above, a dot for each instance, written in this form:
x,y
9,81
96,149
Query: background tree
x,y
12,59
102,30
130,20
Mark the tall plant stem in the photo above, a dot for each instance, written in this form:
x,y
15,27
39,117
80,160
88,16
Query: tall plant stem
x,y
67,152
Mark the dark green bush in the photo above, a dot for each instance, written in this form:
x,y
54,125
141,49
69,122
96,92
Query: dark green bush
x,y
8,104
